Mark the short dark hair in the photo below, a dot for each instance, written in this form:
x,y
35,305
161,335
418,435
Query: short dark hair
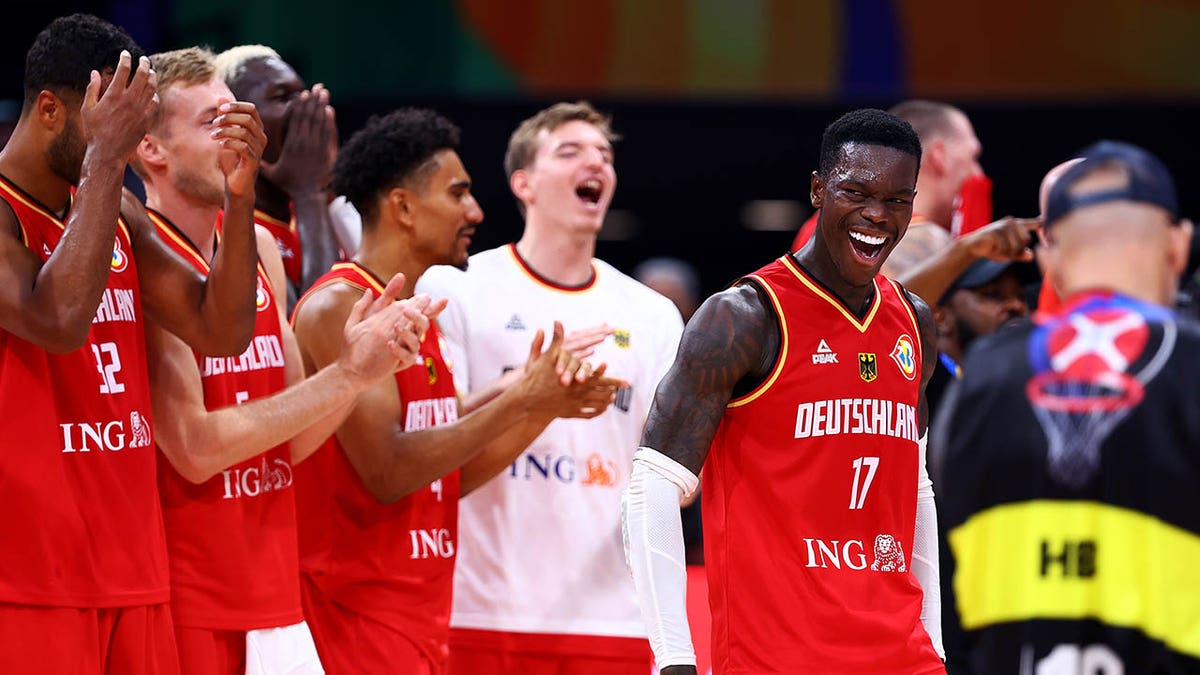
x,y
867,126
66,52
390,150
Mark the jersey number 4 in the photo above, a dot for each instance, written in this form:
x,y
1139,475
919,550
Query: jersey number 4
x,y
859,495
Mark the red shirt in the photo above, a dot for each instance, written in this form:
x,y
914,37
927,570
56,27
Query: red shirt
x,y
810,493
391,562
287,238
81,524
232,539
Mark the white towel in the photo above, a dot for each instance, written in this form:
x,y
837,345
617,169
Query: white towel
x,y
282,651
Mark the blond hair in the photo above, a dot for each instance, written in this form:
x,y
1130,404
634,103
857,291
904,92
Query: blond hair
x,y
179,67
523,144
232,62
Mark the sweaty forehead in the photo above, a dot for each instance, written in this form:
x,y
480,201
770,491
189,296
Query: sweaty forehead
x,y
875,164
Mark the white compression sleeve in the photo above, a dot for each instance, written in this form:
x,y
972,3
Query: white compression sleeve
x,y
654,552
925,555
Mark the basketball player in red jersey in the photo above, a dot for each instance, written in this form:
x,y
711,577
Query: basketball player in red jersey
x,y
378,504
83,568
225,423
292,196
799,391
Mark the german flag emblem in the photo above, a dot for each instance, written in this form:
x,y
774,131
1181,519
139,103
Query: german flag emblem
x,y
429,366
868,368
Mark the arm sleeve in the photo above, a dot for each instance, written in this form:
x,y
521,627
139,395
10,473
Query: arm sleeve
x,y
654,552
925,555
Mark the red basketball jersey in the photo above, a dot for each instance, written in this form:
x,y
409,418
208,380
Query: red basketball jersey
x,y
287,238
232,539
81,524
391,562
810,493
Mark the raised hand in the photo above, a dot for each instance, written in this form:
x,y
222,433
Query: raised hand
x,y
1006,239
582,343
115,120
382,338
239,129
556,383
305,162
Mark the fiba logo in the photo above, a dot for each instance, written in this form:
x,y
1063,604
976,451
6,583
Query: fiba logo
x,y
262,299
905,357
119,260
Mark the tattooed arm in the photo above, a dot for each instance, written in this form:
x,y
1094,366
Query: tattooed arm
x,y
732,340
728,347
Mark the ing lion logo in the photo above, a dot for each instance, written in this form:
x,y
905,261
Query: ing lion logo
x,y
889,556
140,427
600,472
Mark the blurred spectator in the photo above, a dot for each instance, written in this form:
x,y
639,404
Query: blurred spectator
x,y
949,156
674,278
1066,456
678,280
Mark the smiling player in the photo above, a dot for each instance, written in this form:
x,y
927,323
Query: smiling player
x,y
798,391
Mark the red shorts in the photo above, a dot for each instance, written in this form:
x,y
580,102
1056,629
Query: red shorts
x,y
87,641
349,642
499,653
211,652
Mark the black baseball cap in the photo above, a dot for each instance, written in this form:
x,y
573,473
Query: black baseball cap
x,y
1149,181
984,271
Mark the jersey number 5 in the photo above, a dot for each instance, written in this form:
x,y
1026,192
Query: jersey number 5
x,y
857,495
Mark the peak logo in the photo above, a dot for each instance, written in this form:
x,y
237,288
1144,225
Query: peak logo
x,y
824,354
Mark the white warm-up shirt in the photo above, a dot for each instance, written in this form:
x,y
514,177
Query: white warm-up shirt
x,y
540,544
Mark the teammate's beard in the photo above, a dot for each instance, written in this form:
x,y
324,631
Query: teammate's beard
x,y
65,153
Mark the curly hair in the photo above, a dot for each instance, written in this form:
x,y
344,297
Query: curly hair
x,y
867,126
66,52
391,150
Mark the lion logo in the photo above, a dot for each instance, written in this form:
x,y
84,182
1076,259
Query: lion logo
x,y
889,557
141,430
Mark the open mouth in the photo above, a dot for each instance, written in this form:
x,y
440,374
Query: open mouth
x,y
590,191
866,246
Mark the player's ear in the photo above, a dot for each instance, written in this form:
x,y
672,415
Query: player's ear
x,y
816,190
519,184
1181,245
149,152
398,206
51,111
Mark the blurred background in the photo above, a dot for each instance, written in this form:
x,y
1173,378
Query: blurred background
x,y
721,103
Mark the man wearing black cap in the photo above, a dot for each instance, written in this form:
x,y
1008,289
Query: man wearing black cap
x,y
1067,455
987,295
